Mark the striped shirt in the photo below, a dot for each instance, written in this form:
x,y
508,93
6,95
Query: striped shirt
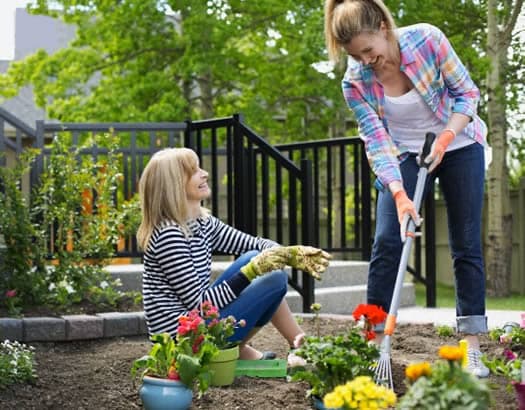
x,y
177,269
429,61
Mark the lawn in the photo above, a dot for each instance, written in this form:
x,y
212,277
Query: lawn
x,y
445,298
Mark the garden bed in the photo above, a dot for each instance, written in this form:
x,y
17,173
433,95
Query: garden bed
x,y
95,374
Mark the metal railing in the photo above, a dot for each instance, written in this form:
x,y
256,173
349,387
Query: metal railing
x,y
317,192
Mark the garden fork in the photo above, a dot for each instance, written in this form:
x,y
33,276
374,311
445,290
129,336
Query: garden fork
x,y
383,370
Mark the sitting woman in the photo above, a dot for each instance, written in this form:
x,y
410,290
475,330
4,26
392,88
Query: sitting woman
x,y
178,237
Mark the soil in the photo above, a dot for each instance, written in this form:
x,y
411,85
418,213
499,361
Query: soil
x,y
96,374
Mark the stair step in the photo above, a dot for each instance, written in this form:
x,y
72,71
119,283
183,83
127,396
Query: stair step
x,y
342,288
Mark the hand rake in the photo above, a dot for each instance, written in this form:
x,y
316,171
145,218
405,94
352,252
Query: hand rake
x,y
383,370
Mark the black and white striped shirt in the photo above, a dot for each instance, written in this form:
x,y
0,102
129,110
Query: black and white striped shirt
x,y
177,269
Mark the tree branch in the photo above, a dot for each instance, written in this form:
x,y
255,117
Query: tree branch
x,y
507,32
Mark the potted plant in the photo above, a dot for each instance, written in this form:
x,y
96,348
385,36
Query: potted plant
x,y
219,331
333,360
444,385
172,367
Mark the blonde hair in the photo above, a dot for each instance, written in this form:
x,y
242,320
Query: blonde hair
x,y
346,19
162,191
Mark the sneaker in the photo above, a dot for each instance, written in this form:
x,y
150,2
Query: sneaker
x,y
474,364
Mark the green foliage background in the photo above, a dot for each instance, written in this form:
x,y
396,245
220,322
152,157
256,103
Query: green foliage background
x,y
167,60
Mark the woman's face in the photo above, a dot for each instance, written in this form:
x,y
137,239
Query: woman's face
x,y
197,187
370,48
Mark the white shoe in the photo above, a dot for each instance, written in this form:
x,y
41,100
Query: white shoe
x,y
474,364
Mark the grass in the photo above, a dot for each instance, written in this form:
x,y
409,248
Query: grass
x,y
445,297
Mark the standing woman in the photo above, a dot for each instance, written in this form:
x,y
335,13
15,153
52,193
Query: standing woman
x,y
178,237
400,84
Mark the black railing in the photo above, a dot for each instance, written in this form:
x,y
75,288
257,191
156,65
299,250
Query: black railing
x,y
316,192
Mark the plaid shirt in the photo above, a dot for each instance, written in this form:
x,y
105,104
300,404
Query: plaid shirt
x,y
428,60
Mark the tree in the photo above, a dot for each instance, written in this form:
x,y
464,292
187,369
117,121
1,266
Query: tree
x,y
167,60
501,20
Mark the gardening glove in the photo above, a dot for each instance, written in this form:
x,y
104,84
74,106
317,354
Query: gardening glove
x,y
267,261
405,211
438,148
309,259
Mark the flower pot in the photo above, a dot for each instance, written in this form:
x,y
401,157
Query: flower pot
x,y
165,394
223,367
519,388
319,405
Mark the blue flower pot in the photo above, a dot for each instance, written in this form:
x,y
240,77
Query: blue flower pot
x,y
165,394
318,404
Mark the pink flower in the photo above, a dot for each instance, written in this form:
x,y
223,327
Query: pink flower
x,y
505,339
10,293
510,355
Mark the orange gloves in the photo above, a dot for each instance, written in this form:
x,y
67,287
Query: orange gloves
x,y
439,147
405,210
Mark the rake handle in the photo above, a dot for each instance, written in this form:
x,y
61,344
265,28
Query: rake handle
x,y
390,324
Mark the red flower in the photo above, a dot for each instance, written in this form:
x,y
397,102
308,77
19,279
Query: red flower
x,y
372,314
172,374
10,293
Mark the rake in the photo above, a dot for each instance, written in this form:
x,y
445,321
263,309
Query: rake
x,y
383,370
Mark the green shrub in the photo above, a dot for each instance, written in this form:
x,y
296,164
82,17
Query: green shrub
x,y
16,363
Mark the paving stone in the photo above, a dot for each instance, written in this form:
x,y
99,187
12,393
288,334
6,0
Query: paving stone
x,y
11,329
44,329
80,327
120,323
143,329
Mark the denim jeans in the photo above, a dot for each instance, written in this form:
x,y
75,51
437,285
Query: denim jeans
x,y
461,179
258,301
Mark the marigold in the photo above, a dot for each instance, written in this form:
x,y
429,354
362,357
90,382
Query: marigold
x,y
416,370
452,353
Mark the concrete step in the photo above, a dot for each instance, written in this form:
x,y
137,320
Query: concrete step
x,y
339,273
342,288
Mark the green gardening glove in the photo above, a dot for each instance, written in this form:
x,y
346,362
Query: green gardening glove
x,y
267,261
309,259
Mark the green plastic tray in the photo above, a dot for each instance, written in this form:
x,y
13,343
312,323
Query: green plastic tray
x,y
261,368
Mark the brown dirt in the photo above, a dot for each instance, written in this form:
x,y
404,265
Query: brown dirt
x,y
95,374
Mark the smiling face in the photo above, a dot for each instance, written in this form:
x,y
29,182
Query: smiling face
x,y
197,188
370,48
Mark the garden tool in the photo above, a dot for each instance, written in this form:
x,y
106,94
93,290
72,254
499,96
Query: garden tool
x,y
383,370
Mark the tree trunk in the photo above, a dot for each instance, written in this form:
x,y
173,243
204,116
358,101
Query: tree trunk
x,y
499,234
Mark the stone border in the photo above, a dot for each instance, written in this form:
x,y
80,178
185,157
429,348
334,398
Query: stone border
x,y
73,327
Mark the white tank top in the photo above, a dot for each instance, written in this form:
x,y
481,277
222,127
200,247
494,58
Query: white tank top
x,y
409,118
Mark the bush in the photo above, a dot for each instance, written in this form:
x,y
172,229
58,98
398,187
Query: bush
x,y
16,363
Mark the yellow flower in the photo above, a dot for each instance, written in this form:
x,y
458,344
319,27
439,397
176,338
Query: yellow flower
x,y
452,353
360,393
333,400
416,370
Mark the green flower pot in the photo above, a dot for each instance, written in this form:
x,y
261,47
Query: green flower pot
x,y
223,367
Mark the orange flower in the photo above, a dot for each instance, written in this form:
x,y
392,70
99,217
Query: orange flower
x,y
416,370
452,353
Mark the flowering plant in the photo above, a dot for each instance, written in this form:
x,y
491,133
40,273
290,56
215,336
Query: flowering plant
x,y
332,360
187,358
360,393
16,363
220,330
509,364
444,385
12,301
368,316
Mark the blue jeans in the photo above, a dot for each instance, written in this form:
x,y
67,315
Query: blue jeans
x,y
258,301
461,179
